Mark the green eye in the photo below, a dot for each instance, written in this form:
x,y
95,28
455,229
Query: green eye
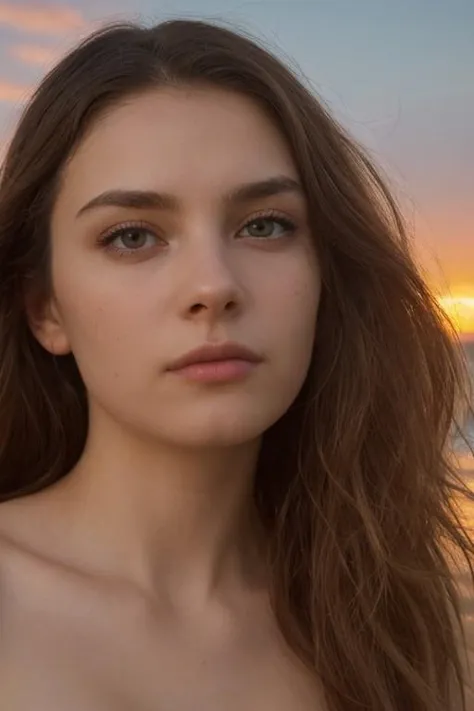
x,y
268,228
130,239
135,238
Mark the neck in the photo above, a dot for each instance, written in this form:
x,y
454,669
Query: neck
x,y
166,517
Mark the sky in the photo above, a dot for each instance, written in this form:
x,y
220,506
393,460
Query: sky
x,y
397,73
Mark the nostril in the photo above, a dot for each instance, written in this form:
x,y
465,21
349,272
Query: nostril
x,y
196,308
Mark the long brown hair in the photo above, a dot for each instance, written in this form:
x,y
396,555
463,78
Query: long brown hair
x,y
355,483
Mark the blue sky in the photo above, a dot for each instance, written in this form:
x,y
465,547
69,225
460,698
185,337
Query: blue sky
x,y
398,73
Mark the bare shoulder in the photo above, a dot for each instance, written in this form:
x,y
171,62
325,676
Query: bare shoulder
x,y
17,530
17,581
27,523
14,536
29,603
16,549
36,586
25,539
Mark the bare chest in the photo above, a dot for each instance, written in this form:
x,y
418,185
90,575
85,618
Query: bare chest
x,y
87,658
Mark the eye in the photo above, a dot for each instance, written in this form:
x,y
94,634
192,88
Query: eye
x,y
129,239
268,227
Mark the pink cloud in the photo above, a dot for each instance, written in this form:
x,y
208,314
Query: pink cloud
x,y
13,92
34,54
48,19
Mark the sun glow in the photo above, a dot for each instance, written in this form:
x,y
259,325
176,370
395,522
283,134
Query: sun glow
x,y
460,310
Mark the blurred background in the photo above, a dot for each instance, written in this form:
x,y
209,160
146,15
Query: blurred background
x,y
398,74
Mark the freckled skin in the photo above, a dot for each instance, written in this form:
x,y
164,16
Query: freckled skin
x,y
136,582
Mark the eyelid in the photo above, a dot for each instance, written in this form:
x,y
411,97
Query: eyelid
x,y
268,214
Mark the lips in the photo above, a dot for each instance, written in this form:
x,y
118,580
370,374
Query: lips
x,y
211,353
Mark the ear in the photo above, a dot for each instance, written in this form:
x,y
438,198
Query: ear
x,y
46,323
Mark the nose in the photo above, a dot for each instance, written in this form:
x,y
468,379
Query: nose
x,y
212,290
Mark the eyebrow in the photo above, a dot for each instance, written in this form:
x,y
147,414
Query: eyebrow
x,y
148,199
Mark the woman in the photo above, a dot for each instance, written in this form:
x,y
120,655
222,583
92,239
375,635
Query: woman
x,y
226,396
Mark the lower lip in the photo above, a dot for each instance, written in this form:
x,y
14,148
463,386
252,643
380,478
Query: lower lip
x,y
219,371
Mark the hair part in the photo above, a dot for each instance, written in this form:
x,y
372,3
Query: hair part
x,y
355,483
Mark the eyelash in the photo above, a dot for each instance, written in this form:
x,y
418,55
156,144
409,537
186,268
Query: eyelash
x,y
106,240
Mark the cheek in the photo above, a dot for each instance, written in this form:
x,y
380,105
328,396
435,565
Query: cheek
x,y
302,321
102,327
297,294
108,345
294,317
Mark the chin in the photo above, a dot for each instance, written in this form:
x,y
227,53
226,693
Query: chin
x,y
221,436
219,429
216,421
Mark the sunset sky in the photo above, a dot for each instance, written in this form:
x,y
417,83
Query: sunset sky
x,y
397,73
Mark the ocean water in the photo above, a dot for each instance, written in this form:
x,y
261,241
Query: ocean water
x,y
469,351
462,574
459,445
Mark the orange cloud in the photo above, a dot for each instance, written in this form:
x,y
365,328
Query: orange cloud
x,y
48,19
13,92
34,54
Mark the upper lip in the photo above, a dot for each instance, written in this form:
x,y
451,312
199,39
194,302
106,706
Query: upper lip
x,y
215,352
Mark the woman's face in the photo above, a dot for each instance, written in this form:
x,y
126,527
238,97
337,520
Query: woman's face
x,y
180,223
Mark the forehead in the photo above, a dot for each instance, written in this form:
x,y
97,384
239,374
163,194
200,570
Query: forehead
x,y
178,140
